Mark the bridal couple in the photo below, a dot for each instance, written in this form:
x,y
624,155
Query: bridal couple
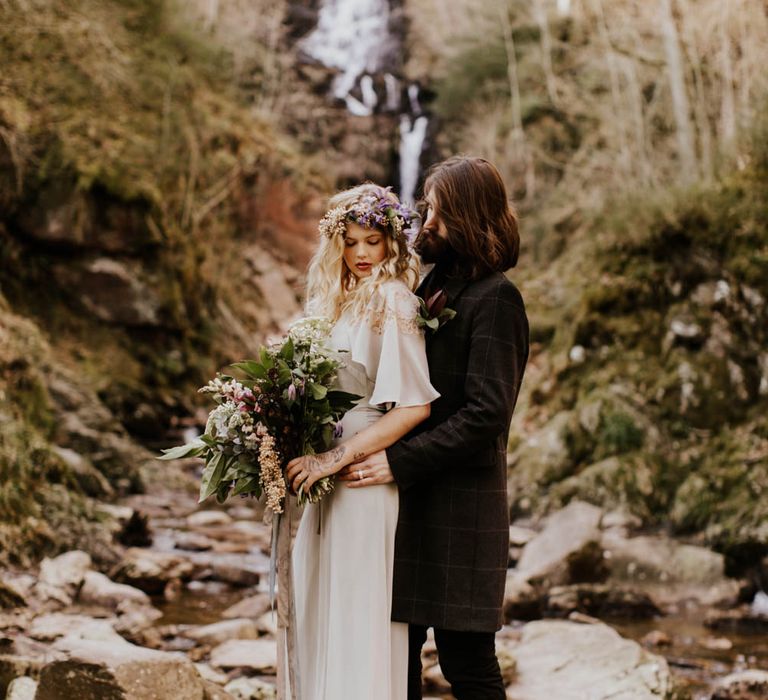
x,y
415,535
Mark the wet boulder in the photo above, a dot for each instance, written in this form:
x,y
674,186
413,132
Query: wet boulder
x,y
22,688
151,571
10,597
53,626
740,620
599,600
219,632
118,670
251,606
61,577
669,571
251,689
743,685
257,655
567,550
521,600
560,659
99,590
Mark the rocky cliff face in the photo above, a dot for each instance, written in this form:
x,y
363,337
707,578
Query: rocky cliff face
x,y
648,387
152,230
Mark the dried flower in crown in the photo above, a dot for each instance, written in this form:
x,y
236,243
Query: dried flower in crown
x,y
371,211
334,223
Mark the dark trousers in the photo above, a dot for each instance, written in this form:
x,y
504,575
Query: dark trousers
x,y
467,660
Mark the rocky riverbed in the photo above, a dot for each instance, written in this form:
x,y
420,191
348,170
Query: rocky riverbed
x,y
593,611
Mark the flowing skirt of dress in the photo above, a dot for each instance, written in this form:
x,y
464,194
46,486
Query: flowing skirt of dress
x,y
347,646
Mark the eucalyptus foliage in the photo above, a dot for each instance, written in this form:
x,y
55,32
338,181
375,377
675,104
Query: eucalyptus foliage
x,y
287,393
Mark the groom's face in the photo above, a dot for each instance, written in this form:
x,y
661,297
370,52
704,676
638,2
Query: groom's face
x,y
432,242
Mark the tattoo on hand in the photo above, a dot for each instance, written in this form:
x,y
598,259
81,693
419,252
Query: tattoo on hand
x,y
358,456
320,463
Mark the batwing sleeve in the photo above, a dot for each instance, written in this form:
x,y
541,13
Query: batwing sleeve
x,y
389,343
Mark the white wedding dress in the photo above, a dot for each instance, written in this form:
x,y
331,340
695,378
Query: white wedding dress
x,y
347,647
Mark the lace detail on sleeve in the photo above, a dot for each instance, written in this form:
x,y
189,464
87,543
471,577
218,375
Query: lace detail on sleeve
x,y
394,305
388,342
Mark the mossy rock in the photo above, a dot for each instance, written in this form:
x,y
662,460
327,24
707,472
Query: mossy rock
x,y
540,460
614,483
726,493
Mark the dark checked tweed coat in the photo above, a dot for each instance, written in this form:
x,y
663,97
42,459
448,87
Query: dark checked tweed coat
x,y
452,541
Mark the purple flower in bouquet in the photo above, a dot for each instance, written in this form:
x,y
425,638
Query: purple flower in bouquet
x,y
284,407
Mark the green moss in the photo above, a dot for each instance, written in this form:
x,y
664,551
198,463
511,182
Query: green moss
x,y
127,124
614,483
476,71
29,397
618,433
135,120
726,492
32,479
667,423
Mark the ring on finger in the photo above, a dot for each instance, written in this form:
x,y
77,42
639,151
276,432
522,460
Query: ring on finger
x,y
360,474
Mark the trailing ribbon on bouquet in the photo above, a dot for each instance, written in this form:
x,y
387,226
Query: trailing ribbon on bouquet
x,y
280,561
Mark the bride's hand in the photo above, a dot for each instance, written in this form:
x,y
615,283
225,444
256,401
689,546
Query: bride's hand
x,y
308,469
371,471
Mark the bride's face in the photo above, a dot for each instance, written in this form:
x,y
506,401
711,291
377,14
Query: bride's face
x,y
363,248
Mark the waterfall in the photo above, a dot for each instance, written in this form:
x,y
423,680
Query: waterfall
x,y
413,133
393,92
355,37
352,36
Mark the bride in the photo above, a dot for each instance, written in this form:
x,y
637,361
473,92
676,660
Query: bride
x,y
362,277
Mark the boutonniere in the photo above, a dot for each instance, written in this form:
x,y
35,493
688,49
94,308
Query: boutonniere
x,y
433,313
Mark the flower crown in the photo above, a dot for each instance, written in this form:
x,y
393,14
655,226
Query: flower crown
x,y
371,211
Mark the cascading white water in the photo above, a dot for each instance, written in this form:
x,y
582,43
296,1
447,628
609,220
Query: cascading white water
x,y
413,132
393,92
355,37
352,36
412,135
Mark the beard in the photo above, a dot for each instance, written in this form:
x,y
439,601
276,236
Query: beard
x,y
432,248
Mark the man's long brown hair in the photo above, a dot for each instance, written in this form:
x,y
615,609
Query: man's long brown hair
x,y
472,202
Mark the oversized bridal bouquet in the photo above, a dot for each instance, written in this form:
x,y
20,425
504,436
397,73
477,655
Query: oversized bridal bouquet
x,y
281,409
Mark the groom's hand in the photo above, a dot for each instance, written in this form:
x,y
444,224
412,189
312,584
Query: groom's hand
x,y
370,471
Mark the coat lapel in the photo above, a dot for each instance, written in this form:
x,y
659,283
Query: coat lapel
x,y
454,286
421,289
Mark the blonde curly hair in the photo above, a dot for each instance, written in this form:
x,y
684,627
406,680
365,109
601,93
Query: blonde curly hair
x,y
331,287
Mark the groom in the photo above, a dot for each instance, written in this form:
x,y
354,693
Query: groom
x,y
452,542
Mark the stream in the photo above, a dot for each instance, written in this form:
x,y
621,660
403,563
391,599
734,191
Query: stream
x,y
239,543
693,655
